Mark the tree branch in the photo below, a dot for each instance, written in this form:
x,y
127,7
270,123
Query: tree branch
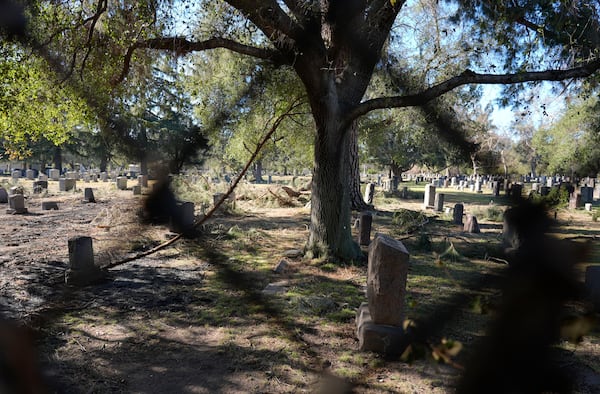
x,y
182,45
466,78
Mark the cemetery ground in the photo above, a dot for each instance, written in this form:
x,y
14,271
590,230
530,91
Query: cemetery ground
x,y
211,314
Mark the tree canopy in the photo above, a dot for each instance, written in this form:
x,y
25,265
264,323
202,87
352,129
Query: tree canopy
x,y
333,47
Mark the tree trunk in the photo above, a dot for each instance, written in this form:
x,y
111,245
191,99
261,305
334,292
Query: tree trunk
x,y
357,203
258,170
57,158
330,234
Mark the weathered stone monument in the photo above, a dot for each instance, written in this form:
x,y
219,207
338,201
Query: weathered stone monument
x,y
143,180
438,204
49,205
496,188
16,204
39,186
457,214
183,218
54,174
30,174
104,176
121,182
471,225
16,174
82,270
516,190
66,184
88,195
587,194
429,198
364,228
369,193
379,321
3,196
137,190
575,201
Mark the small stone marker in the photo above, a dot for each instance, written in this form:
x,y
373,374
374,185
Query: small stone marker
x,y
471,225
88,195
282,267
16,174
82,270
3,196
587,194
429,199
457,214
121,183
369,193
143,180
183,219
39,186
379,321
66,184
43,177
588,206
516,190
137,190
575,201
496,188
49,205
54,174
104,176
439,202
16,204
592,285
364,229
30,174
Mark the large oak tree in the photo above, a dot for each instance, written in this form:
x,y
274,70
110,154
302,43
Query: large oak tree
x,y
333,46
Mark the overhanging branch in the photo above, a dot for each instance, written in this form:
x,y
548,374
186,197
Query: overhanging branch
x,y
182,45
466,78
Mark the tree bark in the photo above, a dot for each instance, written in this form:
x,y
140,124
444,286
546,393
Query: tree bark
x,y
357,203
258,170
57,158
330,234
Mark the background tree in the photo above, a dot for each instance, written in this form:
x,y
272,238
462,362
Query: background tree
x,y
333,47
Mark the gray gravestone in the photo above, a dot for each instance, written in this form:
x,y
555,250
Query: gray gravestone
x,y
369,193
439,202
575,201
30,174
66,184
143,180
364,230
54,174
379,321
121,183
457,214
82,270
88,195
587,194
429,198
16,204
49,205
471,225
137,190
3,196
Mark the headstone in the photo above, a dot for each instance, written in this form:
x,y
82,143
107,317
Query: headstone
x,y
588,206
535,187
429,199
457,215
587,194
43,177
104,176
66,184
379,321
3,196
471,225
478,187
544,190
16,204
16,190
82,270
453,181
121,182
72,175
369,193
575,201
364,230
137,190
183,218
39,186
496,188
30,174
404,192
54,174
439,202
143,180
16,174
88,195
592,285
49,205
516,190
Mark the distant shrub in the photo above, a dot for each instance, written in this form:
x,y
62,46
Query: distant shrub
x,y
557,198
407,221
